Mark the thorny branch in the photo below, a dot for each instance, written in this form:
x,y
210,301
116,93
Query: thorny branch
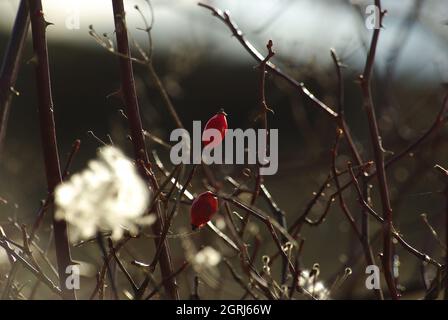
x,y
48,136
133,113
10,66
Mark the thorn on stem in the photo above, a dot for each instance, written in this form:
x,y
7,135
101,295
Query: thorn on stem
x,y
14,91
32,60
47,23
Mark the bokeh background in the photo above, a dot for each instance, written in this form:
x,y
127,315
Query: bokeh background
x,y
204,69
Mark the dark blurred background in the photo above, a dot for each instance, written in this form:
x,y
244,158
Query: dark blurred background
x,y
204,69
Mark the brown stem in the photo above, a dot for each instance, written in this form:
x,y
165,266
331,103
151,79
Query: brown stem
x,y
103,269
438,122
48,136
35,271
294,229
11,64
132,111
238,34
420,255
446,242
49,200
169,219
444,172
239,279
162,91
342,202
370,259
378,152
263,115
121,266
168,279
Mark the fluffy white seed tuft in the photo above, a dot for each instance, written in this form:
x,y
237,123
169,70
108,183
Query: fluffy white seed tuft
x,y
108,195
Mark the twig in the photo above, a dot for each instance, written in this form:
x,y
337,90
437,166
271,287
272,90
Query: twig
x,y
195,294
190,196
49,200
379,156
171,276
342,203
246,262
100,241
38,274
420,255
433,231
238,34
294,229
303,218
365,229
444,172
239,279
103,270
169,219
264,109
437,124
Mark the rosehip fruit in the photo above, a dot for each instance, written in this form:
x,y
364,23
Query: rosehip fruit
x,y
202,209
218,122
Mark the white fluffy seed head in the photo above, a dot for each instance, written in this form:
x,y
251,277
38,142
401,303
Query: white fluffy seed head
x,y
208,257
108,195
308,281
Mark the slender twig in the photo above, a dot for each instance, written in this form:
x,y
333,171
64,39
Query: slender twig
x,y
420,255
342,202
48,202
100,240
37,273
271,226
264,109
191,197
437,124
103,270
365,229
239,279
378,152
245,260
195,294
444,173
303,218
294,229
12,272
171,276
433,231
169,219
224,16
10,66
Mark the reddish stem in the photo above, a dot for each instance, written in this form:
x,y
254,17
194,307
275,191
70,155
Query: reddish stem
x,y
379,158
11,64
48,136
135,125
238,34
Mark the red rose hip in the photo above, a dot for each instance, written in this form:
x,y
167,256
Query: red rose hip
x,y
202,209
218,122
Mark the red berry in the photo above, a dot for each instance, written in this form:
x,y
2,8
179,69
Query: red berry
x,y
218,122
202,209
